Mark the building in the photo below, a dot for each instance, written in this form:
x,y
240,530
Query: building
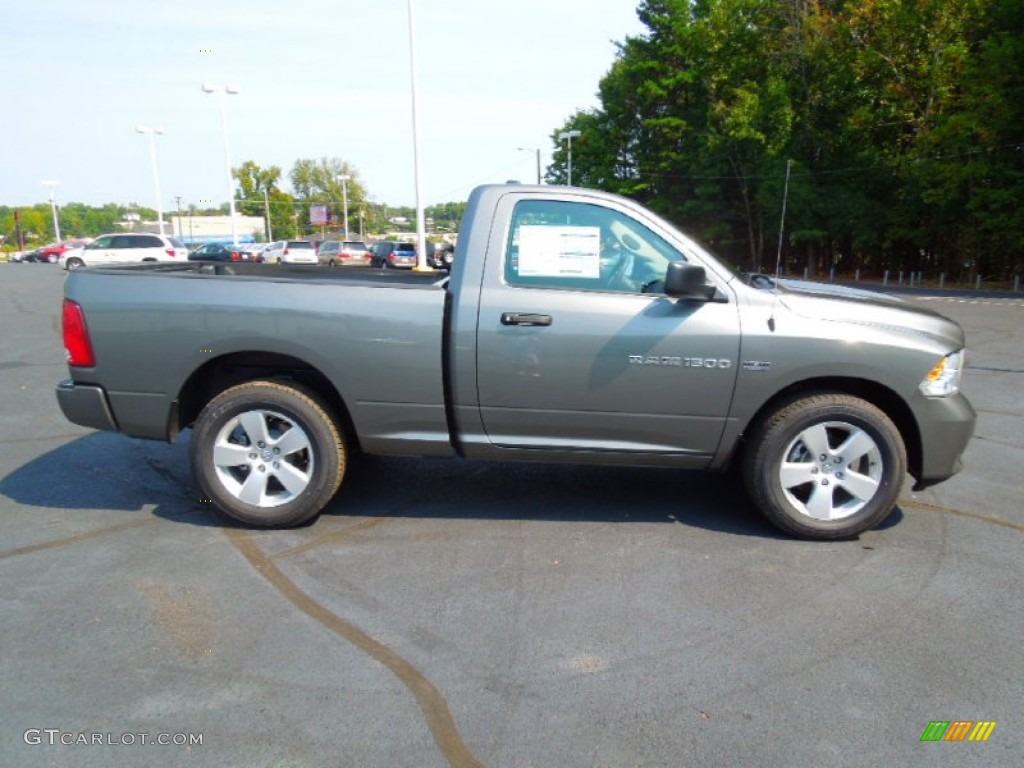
x,y
210,229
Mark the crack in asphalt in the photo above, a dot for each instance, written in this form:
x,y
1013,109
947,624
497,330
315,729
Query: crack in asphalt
x,y
331,536
431,703
76,539
990,519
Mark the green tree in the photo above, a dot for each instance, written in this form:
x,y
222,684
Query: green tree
x,y
258,192
902,121
318,182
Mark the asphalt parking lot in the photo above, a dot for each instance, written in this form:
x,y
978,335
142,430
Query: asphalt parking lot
x,y
464,614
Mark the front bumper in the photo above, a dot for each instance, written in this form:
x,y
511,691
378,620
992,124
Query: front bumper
x,y
946,425
86,405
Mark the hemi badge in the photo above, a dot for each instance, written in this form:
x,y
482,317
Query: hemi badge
x,y
756,365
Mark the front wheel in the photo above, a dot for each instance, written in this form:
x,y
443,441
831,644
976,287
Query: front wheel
x,y
267,454
75,263
825,466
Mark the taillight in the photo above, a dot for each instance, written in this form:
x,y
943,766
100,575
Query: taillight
x,y
285,252
235,256
77,346
171,252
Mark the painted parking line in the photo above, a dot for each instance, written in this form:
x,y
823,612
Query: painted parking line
x,y
956,300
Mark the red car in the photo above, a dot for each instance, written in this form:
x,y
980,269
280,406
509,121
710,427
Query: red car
x,y
51,253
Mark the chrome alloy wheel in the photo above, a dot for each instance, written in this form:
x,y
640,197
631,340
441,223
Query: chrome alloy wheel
x,y
263,458
831,470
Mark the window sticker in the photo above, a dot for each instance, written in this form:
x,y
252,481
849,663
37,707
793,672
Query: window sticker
x,y
547,251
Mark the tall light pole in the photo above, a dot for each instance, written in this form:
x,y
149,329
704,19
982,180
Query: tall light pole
x,y
537,150
51,185
569,136
421,229
177,199
343,178
222,91
153,133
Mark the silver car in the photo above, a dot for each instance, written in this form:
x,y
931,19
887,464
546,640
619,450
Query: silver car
x,y
342,253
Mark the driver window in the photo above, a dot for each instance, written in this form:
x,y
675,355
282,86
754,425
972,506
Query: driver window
x,y
577,246
101,242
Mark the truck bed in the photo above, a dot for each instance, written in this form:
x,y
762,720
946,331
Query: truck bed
x,y
364,275
376,335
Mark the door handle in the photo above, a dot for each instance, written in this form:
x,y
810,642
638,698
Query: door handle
x,y
524,318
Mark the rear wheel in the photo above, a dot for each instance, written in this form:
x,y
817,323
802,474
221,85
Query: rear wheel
x,y
826,466
268,454
74,263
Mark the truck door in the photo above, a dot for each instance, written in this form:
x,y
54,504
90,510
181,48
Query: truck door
x,y
577,351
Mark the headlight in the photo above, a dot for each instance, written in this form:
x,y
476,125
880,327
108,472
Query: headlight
x,y
944,378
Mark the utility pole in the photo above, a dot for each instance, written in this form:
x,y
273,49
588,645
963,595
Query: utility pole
x,y
568,136
266,212
177,199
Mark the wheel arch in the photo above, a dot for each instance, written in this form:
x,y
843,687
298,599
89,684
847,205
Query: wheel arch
x,y
219,374
885,399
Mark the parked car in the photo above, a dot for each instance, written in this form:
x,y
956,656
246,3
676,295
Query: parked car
x,y
20,256
124,247
440,255
254,251
388,253
51,253
290,252
217,252
352,253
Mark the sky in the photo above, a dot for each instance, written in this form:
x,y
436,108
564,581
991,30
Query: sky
x,y
316,78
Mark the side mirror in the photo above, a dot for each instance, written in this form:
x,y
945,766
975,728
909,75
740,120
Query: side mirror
x,y
687,281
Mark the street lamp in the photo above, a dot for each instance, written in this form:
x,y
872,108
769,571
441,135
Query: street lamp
x,y
51,185
221,91
569,136
153,133
527,149
421,235
343,178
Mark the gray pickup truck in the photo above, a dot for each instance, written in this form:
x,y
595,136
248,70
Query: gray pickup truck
x,y
575,326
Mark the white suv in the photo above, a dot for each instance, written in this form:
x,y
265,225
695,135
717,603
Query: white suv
x,y
125,247
290,252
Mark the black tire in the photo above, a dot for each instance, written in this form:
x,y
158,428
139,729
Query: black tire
x,y
822,494
75,263
268,454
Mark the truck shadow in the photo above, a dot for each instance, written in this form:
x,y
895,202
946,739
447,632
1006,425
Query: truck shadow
x,y
102,471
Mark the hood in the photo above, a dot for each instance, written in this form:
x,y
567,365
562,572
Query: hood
x,y
832,303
